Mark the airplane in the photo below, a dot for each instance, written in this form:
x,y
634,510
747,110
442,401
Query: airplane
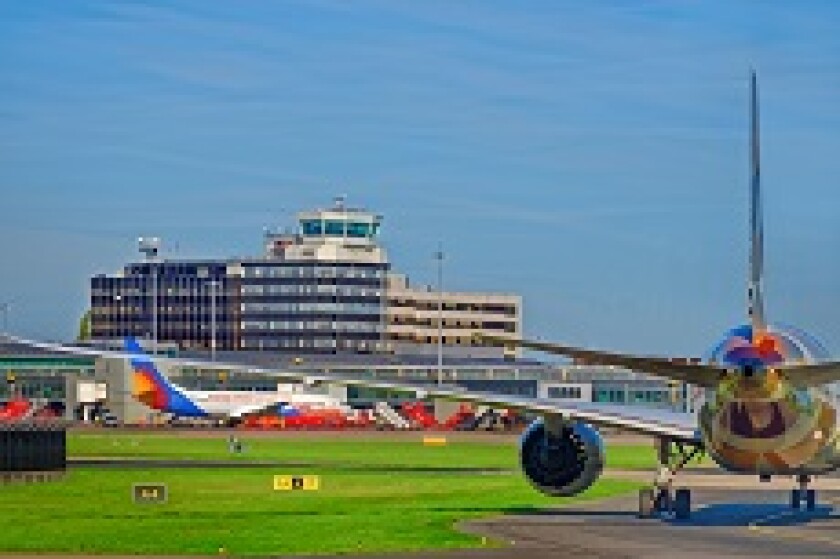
x,y
767,410
154,390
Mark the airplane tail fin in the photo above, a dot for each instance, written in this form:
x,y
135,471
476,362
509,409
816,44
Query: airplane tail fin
x,y
754,291
148,384
154,389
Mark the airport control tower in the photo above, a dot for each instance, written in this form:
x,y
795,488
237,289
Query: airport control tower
x,y
326,286
336,234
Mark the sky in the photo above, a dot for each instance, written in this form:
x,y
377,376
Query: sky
x,y
591,156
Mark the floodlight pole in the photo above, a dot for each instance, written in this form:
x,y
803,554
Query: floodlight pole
x,y
9,377
150,247
6,306
439,258
154,308
213,284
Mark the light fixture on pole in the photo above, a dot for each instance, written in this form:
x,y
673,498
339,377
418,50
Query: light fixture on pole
x,y
150,247
213,284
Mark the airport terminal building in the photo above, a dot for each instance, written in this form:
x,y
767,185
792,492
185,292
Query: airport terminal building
x,y
326,287
322,298
84,388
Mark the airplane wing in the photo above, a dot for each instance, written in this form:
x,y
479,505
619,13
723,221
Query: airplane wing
x,y
684,370
643,420
812,375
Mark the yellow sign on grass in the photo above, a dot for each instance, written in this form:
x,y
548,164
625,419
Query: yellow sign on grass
x,y
434,441
149,493
297,483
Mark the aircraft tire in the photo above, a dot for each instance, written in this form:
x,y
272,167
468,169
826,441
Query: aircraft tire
x,y
795,499
682,504
810,500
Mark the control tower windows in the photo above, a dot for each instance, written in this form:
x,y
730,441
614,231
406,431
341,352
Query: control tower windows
x,y
360,230
339,228
334,228
312,227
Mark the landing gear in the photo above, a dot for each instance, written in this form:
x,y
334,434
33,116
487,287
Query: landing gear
x,y
803,494
660,499
682,504
647,502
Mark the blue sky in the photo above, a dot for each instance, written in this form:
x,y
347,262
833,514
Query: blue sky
x,y
589,155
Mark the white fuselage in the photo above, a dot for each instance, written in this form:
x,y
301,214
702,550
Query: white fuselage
x,y
235,403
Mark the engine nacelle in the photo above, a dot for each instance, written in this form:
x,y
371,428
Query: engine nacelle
x,y
561,464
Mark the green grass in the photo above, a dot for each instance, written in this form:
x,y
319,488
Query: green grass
x,y
92,512
352,452
363,505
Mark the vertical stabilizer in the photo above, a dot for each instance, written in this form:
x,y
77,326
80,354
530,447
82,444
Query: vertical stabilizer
x,y
754,292
150,387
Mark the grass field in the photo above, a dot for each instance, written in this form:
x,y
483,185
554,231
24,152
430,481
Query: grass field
x,y
333,451
237,510
358,509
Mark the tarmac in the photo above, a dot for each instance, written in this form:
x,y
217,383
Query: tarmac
x,y
733,516
725,522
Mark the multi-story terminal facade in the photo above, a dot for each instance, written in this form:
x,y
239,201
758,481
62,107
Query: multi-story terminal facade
x,y
324,288
169,301
416,317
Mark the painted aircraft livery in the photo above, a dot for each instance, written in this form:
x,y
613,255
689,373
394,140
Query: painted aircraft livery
x,y
150,387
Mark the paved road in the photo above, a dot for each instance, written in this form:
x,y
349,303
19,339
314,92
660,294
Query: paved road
x,y
726,523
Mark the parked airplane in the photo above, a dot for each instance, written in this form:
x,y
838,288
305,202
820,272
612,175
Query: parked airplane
x,y
767,411
152,388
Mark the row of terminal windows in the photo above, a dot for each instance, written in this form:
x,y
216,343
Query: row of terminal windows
x,y
171,325
357,308
420,339
205,293
347,291
192,309
432,322
164,316
432,305
630,396
169,268
310,272
310,325
565,392
308,343
208,382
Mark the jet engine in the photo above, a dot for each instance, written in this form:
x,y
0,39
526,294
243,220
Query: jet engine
x,y
564,461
